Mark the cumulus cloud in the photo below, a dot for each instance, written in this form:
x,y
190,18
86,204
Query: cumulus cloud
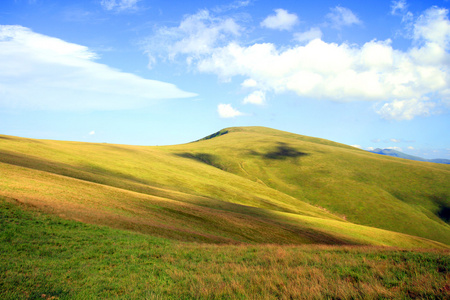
x,y
257,97
341,17
306,36
227,111
407,83
282,20
119,5
433,28
374,71
92,132
42,72
326,70
357,146
249,83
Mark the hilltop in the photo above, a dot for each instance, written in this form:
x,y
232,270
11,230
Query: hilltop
x,y
240,185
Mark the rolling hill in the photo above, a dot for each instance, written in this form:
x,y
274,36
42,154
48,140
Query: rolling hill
x,y
240,185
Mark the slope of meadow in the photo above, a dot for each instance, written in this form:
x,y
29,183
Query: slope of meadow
x,y
251,184
361,187
45,257
245,212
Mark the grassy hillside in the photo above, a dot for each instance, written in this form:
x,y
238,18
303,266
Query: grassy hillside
x,y
244,212
362,187
251,185
45,257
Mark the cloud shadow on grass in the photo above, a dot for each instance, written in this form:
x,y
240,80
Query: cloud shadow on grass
x,y
90,173
281,152
444,208
205,158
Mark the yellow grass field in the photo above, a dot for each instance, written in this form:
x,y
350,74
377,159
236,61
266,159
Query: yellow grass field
x,y
248,184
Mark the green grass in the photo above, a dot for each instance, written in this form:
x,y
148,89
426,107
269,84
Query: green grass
x,y
365,188
45,257
248,185
185,221
245,213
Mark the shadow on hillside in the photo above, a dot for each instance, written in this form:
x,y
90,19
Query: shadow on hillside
x,y
205,158
84,172
282,151
444,207
444,213
218,133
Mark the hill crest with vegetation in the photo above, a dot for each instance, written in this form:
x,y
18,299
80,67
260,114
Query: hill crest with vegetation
x,y
239,185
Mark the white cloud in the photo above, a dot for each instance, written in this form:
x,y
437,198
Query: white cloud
x,y
370,148
312,34
410,148
227,111
398,7
234,5
197,35
341,16
42,72
433,27
409,83
119,5
357,146
249,83
282,20
92,132
257,97
320,69
395,148
374,71
377,55
395,140
405,109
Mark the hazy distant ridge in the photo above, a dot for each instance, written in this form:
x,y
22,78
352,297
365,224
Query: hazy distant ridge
x,y
395,153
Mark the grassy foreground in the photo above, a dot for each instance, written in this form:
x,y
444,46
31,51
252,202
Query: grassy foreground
x,y
46,257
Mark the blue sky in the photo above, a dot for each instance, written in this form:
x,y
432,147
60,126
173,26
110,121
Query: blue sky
x,y
373,74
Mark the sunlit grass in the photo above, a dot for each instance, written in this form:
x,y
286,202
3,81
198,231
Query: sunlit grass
x,y
184,221
46,257
385,192
251,214
245,185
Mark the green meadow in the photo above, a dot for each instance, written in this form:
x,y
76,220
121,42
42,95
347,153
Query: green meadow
x,y
245,213
47,257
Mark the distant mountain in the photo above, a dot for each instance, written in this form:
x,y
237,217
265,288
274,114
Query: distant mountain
x,y
395,153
